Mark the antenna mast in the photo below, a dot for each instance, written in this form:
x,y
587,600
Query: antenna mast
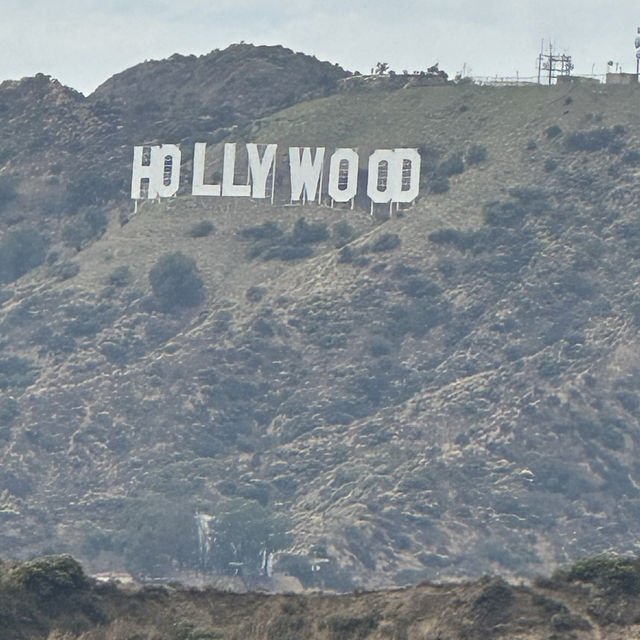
x,y
553,65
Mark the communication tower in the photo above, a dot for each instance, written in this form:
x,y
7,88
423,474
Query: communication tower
x,y
551,66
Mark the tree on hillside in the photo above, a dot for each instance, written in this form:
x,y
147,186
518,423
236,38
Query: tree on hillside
x,y
158,535
175,282
244,534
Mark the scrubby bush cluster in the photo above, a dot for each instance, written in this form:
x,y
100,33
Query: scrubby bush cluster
x,y
78,232
21,251
553,131
121,276
47,576
436,171
476,154
618,573
592,139
270,242
175,282
91,187
201,229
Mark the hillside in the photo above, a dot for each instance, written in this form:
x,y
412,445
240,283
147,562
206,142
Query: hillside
x,y
444,393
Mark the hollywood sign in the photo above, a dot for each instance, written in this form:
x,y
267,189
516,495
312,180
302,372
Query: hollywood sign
x,y
393,175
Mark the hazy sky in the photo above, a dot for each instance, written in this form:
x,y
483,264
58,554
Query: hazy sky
x,y
84,42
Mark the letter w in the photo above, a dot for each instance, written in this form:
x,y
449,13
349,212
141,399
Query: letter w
x,y
305,174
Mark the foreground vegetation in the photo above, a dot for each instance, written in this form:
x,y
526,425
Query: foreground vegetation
x,y
51,598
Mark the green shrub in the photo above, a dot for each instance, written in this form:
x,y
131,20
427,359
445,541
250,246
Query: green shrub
x,y
47,576
452,165
187,630
616,145
157,534
553,131
65,270
201,229
97,220
255,293
160,330
569,622
87,319
550,164
243,530
76,233
504,214
476,154
53,342
91,187
348,627
613,572
264,231
79,232
288,252
347,255
460,239
377,347
592,140
309,232
439,184
492,605
120,276
386,242
342,233
417,287
632,158
175,282
21,251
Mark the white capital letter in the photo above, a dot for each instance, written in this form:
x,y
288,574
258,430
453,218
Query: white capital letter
x,y
260,168
343,181
381,179
229,188
409,169
140,172
394,176
162,172
199,188
305,174
165,161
